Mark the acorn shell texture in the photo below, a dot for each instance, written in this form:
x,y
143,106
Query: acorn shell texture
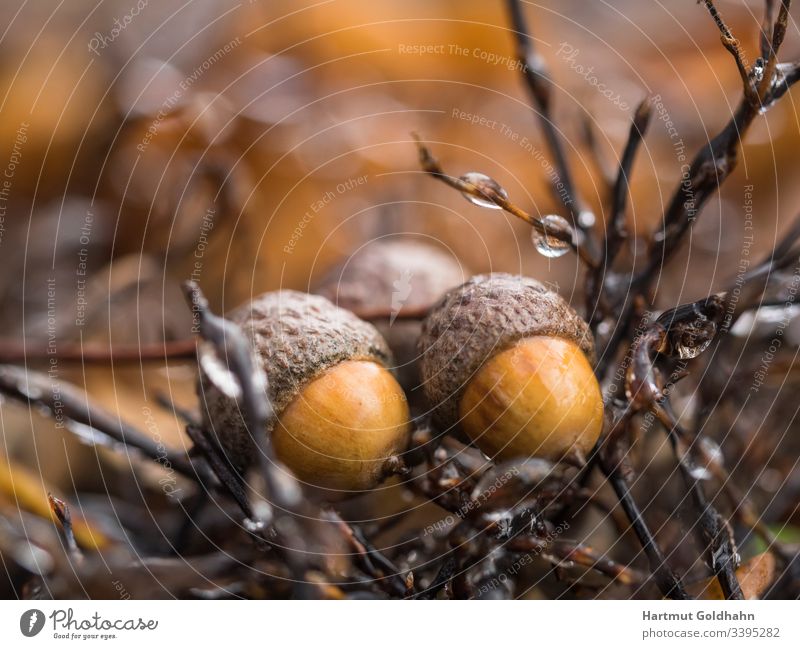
x,y
297,337
481,318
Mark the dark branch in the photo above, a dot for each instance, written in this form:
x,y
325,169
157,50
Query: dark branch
x,y
62,399
540,85
616,229
497,195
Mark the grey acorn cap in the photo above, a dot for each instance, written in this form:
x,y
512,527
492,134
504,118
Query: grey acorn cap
x,y
296,337
478,320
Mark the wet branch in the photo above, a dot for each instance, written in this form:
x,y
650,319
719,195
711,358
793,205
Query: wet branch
x,y
539,85
62,399
616,229
764,84
495,194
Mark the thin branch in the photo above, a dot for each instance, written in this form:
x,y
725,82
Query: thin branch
x,y
445,573
228,478
588,557
765,37
61,512
600,161
712,164
373,562
493,193
713,529
665,578
16,352
65,401
778,34
732,45
616,229
539,85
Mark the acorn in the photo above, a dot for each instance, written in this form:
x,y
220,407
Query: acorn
x,y
508,362
394,282
340,417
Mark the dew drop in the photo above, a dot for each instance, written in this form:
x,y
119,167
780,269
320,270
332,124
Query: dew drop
x,y
586,219
486,186
699,472
548,245
254,526
711,450
758,70
701,463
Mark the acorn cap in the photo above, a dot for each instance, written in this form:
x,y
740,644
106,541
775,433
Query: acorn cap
x,y
389,275
297,337
481,318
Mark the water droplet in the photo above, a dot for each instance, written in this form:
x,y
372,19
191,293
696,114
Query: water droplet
x,y
548,245
701,462
254,526
698,471
758,70
488,187
711,450
586,219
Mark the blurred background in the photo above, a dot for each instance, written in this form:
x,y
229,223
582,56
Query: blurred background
x,y
252,145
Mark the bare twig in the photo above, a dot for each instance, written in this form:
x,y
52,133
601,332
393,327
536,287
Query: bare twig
x,y
713,529
373,562
494,194
600,161
539,85
61,511
709,168
15,352
62,399
665,578
616,229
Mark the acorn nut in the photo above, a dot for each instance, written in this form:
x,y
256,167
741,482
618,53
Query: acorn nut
x,y
508,362
339,414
